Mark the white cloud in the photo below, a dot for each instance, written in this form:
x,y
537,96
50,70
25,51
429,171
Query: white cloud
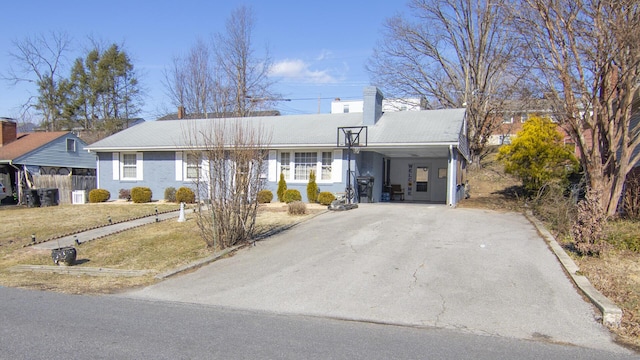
x,y
297,69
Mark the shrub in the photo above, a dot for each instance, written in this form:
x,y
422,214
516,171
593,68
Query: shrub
x,y
99,195
589,226
326,198
291,195
124,194
312,188
538,154
170,194
282,187
140,194
297,208
185,195
265,197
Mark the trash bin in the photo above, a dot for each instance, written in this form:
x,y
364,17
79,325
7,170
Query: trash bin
x,y
365,188
48,197
33,198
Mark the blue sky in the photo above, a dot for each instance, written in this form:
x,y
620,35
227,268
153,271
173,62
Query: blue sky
x,y
320,48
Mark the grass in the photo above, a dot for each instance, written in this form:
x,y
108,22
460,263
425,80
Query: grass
x,y
158,247
616,273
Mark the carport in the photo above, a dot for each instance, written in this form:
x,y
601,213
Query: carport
x,y
429,173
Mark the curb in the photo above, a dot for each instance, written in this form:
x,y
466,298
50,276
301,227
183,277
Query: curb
x,y
611,313
196,264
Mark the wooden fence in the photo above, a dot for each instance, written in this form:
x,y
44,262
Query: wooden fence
x,y
65,184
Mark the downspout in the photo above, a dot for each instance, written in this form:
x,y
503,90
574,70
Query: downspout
x,y
451,189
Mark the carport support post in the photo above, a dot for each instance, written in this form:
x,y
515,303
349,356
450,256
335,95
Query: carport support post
x,y
349,140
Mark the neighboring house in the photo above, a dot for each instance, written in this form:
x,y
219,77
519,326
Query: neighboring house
x,y
422,152
181,114
24,155
339,106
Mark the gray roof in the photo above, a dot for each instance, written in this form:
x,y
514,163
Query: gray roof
x,y
435,127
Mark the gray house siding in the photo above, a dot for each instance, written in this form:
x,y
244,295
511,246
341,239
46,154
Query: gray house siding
x,y
55,154
158,173
336,185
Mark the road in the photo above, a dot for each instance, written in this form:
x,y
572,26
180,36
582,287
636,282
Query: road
x,y
44,325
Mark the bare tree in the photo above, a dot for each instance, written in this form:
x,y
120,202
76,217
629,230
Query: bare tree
x,y
40,60
225,78
192,81
586,58
232,154
455,53
245,75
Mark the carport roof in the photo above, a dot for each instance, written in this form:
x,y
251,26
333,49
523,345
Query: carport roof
x,y
406,128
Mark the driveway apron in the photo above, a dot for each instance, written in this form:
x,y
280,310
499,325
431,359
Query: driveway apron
x,y
477,271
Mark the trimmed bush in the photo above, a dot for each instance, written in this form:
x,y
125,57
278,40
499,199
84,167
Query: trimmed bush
x,y
325,198
282,187
124,194
170,194
185,195
141,194
265,197
312,188
297,208
291,195
99,195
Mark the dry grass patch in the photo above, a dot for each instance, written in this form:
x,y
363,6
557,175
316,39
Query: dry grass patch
x,y
617,275
18,223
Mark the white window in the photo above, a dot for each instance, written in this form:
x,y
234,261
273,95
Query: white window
x,y
304,162
129,170
285,165
345,109
131,166
507,119
327,160
193,167
297,166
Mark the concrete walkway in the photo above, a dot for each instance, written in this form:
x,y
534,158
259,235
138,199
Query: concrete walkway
x,y
471,270
101,232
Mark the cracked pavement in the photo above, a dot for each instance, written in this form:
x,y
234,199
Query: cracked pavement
x,y
471,270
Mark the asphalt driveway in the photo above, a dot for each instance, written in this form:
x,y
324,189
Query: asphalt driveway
x,y
477,271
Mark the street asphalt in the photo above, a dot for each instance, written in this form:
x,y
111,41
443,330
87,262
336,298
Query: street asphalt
x,y
475,271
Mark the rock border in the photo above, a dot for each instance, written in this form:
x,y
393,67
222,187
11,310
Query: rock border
x,y
611,313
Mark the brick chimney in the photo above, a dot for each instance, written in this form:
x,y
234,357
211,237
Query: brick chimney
x,y
372,105
180,112
9,131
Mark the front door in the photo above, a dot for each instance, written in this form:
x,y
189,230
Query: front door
x,y
421,187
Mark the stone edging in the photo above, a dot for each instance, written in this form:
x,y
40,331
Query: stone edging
x,y
77,270
611,313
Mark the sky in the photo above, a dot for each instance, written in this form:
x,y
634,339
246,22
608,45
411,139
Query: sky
x,y
319,48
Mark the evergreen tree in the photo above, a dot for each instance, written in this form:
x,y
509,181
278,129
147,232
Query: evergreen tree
x,y
312,188
537,155
282,187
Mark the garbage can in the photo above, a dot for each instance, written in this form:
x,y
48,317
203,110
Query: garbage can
x,y
48,197
33,198
365,188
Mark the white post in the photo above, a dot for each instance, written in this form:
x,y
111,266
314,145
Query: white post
x,y
181,217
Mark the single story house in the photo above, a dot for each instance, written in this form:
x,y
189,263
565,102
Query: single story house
x,y
24,155
423,154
